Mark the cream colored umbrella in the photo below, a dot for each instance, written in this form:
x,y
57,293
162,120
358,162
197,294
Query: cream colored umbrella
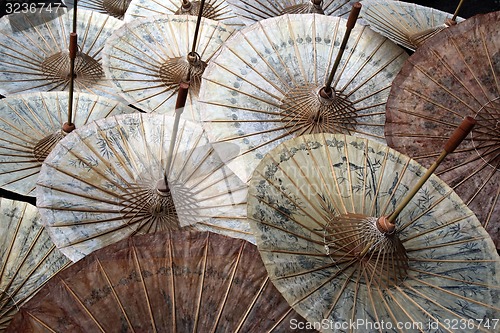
x,y
251,11
28,258
148,58
433,267
455,74
166,282
35,54
407,24
32,124
104,182
217,10
264,86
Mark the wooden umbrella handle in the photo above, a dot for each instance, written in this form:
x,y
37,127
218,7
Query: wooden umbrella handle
x,y
73,45
460,134
456,138
353,15
182,95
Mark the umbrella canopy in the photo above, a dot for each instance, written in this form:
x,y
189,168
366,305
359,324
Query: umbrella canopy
x,y
217,10
251,11
406,24
114,8
104,182
455,75
436,267
31,125
35,55
28,258
179,282
148,58
262,87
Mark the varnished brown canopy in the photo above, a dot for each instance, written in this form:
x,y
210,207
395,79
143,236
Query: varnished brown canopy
x,y
453,75
179,282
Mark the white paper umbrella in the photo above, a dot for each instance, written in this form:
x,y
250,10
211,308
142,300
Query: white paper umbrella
x,y
35,54
406,24
148,58
251,11
28,258
31,125
436,267
166,282
262,88
217,10
102,183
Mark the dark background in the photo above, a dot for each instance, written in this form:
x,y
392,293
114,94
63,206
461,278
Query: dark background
x,y
469,7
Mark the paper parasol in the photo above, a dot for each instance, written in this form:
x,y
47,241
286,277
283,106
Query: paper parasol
x,y
406,24
114,8
438,266
217,10
179,282
148,58
455,75
100,184
31,125
251,11
262,87
28,258
35,54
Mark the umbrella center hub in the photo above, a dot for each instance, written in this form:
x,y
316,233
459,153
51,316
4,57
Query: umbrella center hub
x,y
57,68
176,70
43,147
193,8
486,134
373,248
116,8
304,111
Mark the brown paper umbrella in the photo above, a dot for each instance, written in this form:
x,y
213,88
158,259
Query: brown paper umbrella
x,y
28,257
32,124
217,10
148,58
106,181
251,11
455,75
179,282
407,24
35,54
264,86
316,204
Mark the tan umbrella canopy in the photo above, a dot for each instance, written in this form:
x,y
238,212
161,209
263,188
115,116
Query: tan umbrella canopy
x,y
251,11
179,282
455,75
407,24
104,182
32,124
263,87
149,57
35,54
314,203
217,10
28,258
